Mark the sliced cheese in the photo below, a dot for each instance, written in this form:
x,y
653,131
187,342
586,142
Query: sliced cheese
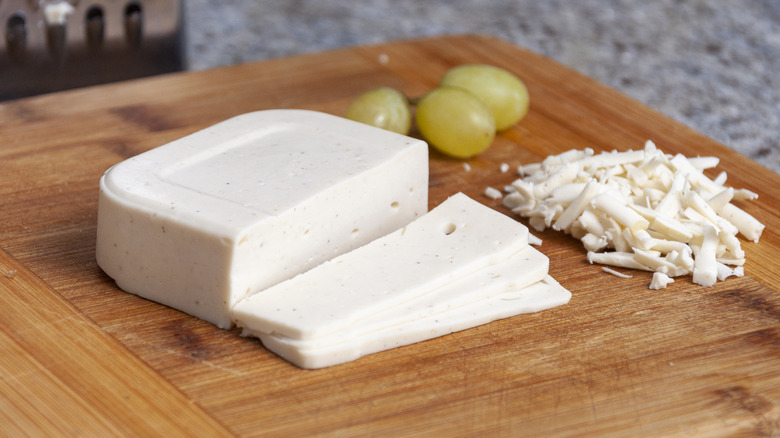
x,y
521,269
490,307
455,239
211,218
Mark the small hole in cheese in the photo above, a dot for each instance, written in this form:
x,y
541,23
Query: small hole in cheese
x,y
448,228
355,232
395,204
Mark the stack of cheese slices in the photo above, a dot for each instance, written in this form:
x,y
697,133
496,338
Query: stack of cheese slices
x,y
310,232
460,265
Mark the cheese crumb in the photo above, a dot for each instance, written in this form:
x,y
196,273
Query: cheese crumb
x,y
614,272
492,193
504,168
660,281
467,167
534,240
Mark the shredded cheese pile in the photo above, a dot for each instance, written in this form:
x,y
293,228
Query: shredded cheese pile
x,y
640,209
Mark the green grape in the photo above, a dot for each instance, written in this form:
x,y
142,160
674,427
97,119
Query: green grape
x,y
382,107
503,92
455,122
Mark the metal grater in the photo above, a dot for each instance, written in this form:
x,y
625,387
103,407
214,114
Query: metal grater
x,y
52,45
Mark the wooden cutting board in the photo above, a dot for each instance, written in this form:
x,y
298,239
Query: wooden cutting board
x,y
78,356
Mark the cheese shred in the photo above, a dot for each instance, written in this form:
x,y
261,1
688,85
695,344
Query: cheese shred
x,y
640,209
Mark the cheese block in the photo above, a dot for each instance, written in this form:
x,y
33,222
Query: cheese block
x,y
207,220
455,239
490,306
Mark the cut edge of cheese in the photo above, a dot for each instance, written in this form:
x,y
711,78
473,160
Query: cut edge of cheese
x,y
537,297
517,271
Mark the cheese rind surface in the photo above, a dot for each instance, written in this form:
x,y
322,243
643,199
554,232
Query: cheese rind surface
x,y
209,219
455,239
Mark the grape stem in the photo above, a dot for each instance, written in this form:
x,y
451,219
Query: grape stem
x,y
413,101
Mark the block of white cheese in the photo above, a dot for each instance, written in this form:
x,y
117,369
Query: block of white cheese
x,y
207,220
455,239
492,305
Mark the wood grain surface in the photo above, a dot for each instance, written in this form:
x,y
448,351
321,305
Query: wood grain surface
x,y
80,357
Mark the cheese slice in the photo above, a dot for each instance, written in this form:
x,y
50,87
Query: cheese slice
x,y
207,220
490,307
521,269
455,239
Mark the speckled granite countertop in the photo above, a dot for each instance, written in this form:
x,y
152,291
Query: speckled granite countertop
x,y
710,64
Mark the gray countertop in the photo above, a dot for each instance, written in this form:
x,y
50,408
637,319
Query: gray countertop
x,y
712,65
